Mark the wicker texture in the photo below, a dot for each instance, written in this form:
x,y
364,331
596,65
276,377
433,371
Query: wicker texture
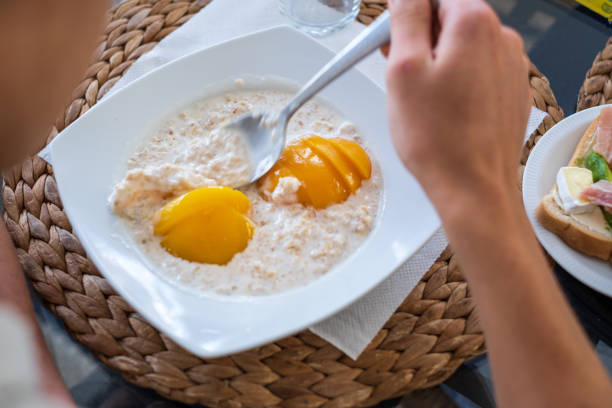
x,y
597,87
427,338
543,99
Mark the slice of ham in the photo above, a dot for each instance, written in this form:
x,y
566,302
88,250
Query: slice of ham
x,y
603,134
599,193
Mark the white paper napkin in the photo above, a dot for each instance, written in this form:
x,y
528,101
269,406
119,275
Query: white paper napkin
x,y
353,328
536,117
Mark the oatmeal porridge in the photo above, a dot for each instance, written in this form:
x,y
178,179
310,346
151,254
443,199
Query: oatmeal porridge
x,y
292,244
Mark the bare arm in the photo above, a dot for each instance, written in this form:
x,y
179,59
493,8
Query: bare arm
x,y
539,354
14,294
458,104
45,49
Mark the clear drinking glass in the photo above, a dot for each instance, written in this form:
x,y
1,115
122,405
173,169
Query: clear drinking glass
x,y
320,17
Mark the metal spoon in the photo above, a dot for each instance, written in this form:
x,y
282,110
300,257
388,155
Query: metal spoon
x,y
265,132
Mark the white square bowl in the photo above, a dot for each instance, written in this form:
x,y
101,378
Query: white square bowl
x,y
88,154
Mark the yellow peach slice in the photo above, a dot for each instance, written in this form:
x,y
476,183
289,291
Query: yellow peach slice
x,y
356,154
212,238
328,150
197,201
329,170
320,185
207,225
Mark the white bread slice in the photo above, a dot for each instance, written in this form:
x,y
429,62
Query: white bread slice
x,y
578,235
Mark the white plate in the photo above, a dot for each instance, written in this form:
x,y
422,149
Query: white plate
x,y
552,152
88,153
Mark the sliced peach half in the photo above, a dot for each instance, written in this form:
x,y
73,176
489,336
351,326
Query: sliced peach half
x,y
207,225
356,154
328,151
329,170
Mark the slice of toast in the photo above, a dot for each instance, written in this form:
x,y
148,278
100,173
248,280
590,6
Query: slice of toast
x,y
578,235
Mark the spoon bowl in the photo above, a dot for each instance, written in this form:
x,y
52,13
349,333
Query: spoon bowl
x,y
264,133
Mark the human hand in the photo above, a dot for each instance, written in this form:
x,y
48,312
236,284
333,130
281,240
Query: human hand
x,y
458,98
458,104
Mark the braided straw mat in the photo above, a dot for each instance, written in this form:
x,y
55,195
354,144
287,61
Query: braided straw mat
x,y
597,87
422,344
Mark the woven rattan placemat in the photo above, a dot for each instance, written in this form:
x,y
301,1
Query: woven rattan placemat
x,y
597,87
427,338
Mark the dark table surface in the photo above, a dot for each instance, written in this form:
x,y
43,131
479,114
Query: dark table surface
x,y
562,39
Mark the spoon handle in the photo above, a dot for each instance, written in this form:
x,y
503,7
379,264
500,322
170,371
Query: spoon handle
x,y
373,37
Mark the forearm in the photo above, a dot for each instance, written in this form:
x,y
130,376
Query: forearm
x,y
14,294
49,45
538,352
